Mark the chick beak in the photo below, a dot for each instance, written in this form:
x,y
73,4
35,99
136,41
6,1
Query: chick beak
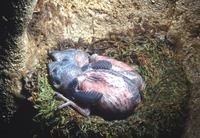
x,y
54,55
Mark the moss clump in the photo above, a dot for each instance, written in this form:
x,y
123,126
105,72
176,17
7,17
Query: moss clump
x,y
162,112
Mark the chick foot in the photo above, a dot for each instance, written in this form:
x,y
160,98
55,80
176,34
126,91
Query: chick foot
x,y
69,103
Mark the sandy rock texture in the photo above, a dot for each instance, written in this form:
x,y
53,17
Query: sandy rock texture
x,y
58,19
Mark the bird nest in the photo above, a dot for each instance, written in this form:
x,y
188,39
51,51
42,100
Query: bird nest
x,y
163,110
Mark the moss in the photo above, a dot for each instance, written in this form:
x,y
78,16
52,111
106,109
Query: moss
x,y
161,114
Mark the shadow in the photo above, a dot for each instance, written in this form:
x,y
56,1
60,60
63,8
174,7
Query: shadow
x,y
22,123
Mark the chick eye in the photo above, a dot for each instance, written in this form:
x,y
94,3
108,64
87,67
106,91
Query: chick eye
x,y
65,59
55,77
55,71
57,80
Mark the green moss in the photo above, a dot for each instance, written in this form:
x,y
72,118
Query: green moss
x,y
161,114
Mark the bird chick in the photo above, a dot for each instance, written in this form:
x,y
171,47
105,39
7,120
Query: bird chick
x,y
104,87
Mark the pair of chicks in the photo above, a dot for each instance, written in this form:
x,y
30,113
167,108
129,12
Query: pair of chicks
x,y
95,85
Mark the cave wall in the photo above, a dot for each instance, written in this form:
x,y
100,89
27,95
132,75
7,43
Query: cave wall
x,y
15,16
187,27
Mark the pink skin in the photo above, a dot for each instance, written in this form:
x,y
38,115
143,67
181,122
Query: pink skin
x,y
95,58
81,58
116,95
122,66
